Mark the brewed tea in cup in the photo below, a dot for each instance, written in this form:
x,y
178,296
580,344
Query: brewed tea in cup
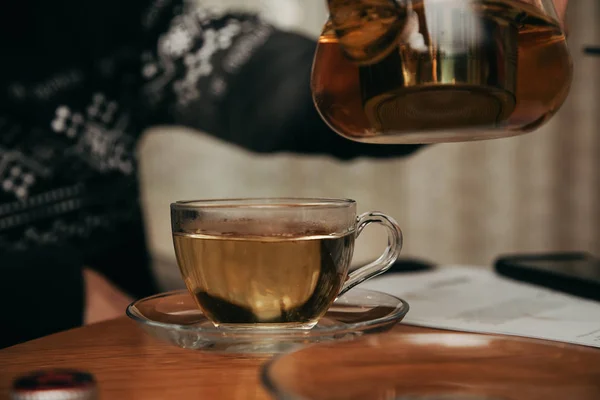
x,y
275,263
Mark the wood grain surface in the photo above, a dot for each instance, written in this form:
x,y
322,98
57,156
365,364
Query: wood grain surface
x,y
129,364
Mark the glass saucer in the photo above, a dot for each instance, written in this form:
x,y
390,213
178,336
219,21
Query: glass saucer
x,y
436,366
175,318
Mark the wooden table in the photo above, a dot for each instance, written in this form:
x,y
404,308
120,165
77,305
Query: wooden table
x,y
129,364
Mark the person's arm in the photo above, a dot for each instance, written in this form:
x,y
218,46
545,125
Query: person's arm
x,y
249,86
241,80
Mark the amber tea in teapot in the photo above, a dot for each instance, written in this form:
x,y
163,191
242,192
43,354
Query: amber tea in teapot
x,y
426,71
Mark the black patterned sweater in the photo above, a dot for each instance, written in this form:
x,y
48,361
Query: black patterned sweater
x,y
80,81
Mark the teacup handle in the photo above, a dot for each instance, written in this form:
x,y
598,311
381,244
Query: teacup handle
x,y
389,256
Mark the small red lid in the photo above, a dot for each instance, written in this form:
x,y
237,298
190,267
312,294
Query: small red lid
x,y
55,384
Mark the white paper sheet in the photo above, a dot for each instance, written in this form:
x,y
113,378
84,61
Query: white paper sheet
x,y
478,300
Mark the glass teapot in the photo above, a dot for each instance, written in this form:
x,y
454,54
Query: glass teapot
x,y
427,71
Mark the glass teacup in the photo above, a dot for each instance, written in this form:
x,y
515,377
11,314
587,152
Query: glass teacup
x,y
274,263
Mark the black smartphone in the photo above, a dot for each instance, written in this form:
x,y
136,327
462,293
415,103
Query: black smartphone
x,y
574,273
592,50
